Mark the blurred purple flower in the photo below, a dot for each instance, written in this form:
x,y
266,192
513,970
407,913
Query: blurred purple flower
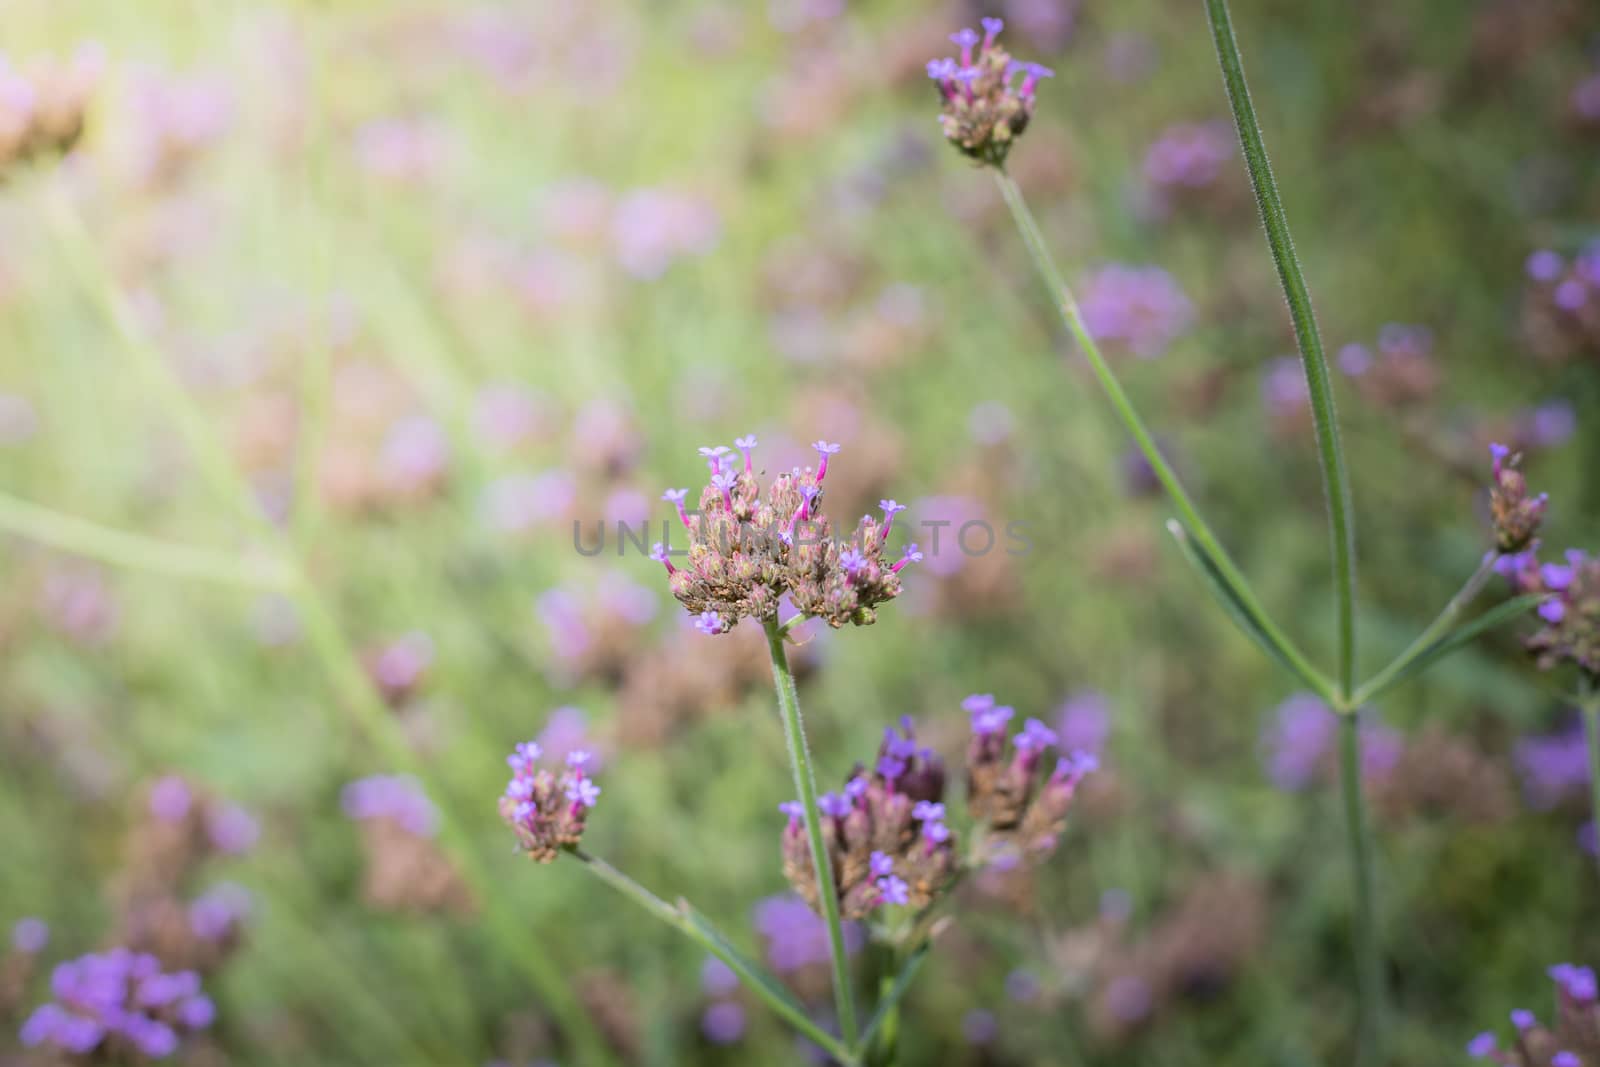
x,y
396,797
1190,155
1140,308
1299,736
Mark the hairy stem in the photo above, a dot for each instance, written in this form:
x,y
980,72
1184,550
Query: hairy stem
x,y
678,919
1072,318
805,784
1369,969
1335,478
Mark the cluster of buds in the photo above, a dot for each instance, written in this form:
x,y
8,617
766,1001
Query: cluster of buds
x,y
746,550
885,832
1572,1040
1008,800
1571,615
1561,306
1515,514
42,108
118,1005
986,107
547,810
405,870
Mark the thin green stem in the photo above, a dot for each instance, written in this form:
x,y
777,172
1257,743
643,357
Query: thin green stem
x,y
1072,317
119,548
679,920
1590,692
805,784
1425,640
1335,478
1369,970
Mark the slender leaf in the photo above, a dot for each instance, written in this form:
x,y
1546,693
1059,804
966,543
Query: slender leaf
x,y
897,992
1238,610
1446,644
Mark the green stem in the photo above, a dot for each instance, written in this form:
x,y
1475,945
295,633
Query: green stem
x,y
1336,480
805,784
120,548
1072,317
1590,703
1369,972
679,920
1425,640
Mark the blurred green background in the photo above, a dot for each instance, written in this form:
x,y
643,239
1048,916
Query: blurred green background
x,y
400,291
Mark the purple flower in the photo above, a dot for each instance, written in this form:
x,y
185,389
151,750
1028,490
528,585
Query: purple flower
x,y
890,767
1481,1046
723,1022
583,792
912,554
1190,155
395,797
1544,265
927,811
1523,1019
1035,736
1556,576
977,702
935,833
170,799
30,935
1565,1059
1084,721
1553,611
1576,982
894,890
991,720
881,865
1300,736
579,758
219,911
857,787
835,804
708,622
524,756
233,830
852,560
795,810
1140,308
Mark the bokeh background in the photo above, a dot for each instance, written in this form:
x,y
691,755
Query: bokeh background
x,y
339,315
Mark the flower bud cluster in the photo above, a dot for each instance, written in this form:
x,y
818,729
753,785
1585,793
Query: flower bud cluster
x,y
1571,1040
1515,514
748,549
885,832
986,105
1012,803
42,108
547,809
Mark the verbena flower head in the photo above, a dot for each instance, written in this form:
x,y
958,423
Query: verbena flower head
x,y
1569,629
1009,798
118,1005
748,549
1516,515
1570,1039
547,808
988,96
885,833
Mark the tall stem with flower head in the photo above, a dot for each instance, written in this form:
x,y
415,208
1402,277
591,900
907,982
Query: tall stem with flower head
x,y
805,784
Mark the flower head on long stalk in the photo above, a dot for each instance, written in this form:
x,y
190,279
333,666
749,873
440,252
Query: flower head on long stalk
x,y
988,96
748,548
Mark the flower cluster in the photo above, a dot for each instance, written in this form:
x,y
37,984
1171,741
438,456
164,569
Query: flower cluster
x,y
546,809
746,550
1516,515
886,835
1005,794
1572,1040
1561,308
1399,373
42,109
1142,310
986,107
1570,632
116,1004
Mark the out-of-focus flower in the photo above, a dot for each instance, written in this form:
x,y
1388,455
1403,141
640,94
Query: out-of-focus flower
x,y
1016,810
654,228
1140,309
118,1003
395,797
1554,767
44,108
1571,1039
1190,155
